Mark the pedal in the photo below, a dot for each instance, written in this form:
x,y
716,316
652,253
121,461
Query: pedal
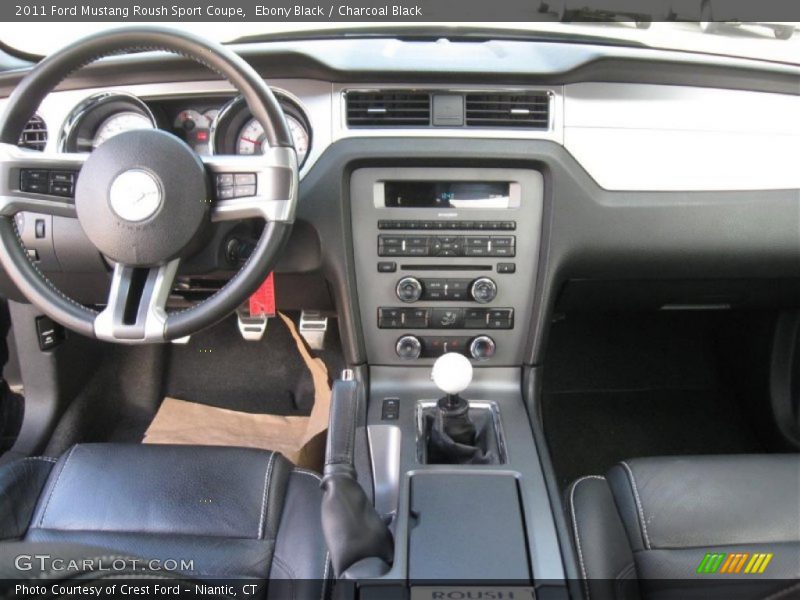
x,y
313,327
251,328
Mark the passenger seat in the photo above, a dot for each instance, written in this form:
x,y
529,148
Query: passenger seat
x,y
690,527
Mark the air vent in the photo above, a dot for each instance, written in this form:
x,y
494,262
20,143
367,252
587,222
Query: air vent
x,y
34,136
529,110
395,108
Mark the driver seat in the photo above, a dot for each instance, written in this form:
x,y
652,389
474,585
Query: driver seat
x,y
235,513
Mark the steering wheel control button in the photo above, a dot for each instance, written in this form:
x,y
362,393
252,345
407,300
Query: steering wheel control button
x,y
135,195
408,347
142,198
235,185
409,289
43,181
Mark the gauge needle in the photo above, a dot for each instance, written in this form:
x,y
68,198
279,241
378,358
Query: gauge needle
x,y
249,140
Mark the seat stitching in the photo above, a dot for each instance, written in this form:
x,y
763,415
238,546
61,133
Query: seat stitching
x,y
267,476
307,472
55,485
106,558
575,530
45,458
639,507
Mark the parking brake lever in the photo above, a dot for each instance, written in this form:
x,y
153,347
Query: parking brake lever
x,y
358,540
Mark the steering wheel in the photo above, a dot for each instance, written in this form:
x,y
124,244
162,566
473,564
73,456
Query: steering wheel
x,y
144,199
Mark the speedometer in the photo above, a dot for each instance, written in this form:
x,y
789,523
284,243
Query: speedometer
x,y
119,123
253,140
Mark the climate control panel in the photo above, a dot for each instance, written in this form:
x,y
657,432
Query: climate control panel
x,y
411,289
410,347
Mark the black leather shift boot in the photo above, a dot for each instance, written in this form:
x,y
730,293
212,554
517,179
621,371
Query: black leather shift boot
x,y
465,437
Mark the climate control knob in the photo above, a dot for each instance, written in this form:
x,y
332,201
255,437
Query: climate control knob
x,y
483,290
408,347
482,348
409,289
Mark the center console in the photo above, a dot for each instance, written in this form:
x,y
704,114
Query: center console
x,y
446,261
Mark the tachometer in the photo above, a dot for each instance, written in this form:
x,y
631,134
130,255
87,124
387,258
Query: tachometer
x,y
118,123
252,139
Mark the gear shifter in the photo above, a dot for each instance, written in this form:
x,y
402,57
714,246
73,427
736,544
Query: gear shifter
x,y
452,436
452,373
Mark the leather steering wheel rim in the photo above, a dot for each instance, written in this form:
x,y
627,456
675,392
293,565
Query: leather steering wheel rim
x,y
276,172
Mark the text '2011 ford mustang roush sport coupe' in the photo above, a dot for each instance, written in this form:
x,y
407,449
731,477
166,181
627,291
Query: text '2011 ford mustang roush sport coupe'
x,y
401,312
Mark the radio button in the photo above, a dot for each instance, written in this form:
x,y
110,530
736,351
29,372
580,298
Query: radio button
x,y
483,290
390,240
503,251
387,267
502,240
409,289
506,267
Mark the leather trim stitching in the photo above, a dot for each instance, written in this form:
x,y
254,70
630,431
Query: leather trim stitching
x,y
577,535
267,476
639,507
300,471
44,458
55,485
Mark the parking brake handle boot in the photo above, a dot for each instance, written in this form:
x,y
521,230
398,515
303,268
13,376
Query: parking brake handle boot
x,y
358,539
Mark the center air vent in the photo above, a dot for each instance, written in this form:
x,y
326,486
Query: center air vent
x,y
34,136
530,110
396,108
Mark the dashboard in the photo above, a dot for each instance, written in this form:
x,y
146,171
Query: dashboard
x,y
463,194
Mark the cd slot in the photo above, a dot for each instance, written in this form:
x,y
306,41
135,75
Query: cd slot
x,y
444,267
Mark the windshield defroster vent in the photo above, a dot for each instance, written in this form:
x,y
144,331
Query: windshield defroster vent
x,y
529,110
34,136
395,108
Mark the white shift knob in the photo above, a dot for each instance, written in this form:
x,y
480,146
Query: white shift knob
x,y
452,373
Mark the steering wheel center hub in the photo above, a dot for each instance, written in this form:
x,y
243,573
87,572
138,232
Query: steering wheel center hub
x,y
142,198
135,195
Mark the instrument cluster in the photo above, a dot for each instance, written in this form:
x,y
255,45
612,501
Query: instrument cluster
x,y
209,125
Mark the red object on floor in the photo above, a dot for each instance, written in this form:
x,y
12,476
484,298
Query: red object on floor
x,y
262,302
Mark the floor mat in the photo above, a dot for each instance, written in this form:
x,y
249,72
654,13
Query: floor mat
x,y
217,367
588,432
299,438
623,386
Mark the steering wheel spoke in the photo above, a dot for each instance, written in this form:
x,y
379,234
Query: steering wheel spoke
x,y
262,186
136,310
36,182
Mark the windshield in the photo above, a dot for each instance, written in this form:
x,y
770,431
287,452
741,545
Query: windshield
x,y
778,42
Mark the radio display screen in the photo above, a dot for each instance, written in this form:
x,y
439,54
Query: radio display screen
x,y
442,194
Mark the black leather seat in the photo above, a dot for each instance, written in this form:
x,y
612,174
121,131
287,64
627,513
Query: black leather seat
x,y
233,512
644,530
